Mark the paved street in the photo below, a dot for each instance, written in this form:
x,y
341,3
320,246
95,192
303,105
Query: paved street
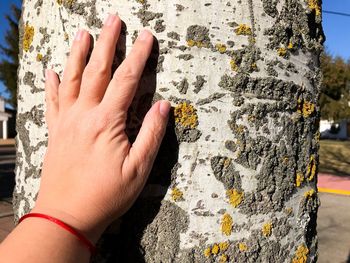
x,y
6,218
334,229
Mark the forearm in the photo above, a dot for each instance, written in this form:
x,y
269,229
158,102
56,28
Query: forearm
x,y
38,240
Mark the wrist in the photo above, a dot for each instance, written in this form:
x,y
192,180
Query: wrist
x,y
86,227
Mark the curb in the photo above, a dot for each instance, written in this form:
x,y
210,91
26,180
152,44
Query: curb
x,y
333,191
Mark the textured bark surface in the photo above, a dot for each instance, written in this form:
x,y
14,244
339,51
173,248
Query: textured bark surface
x,y
235,179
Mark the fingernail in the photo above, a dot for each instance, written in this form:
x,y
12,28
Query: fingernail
x,y
110,20
47,73
164,108
143,35
79,35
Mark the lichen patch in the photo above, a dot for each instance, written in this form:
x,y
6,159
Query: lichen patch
x,y
176,194
235,197
28,37
244,30
299,179
301,254
305,108
242,247
226,224
311,169
186,115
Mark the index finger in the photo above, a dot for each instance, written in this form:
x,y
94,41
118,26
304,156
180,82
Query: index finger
x,y
121,90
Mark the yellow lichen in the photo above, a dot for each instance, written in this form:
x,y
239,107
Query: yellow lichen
x,y
207,252
240,128
301,254
66,3
199,44
186,115
39,57
251,40
234,66
191,43
221,48
242,247
309,193
215,249
317,136
267,229
223,246
28,37
311,168
288,210
316,6
243,29
227,162
251,118
282,52
226,224
254,66
66,37
176,194
299,179
235,197
223,258
290,45
305,108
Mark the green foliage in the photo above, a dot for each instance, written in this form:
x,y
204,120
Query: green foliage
x,y
9,63
335,96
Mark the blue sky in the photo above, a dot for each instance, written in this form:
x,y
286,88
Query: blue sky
x,y
336,28
5,9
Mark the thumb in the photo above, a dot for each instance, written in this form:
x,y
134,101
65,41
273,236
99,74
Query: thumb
x,y
144,150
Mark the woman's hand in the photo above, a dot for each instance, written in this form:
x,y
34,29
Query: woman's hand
x,y
91,173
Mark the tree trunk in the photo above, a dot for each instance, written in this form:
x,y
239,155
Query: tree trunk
x,y
235,180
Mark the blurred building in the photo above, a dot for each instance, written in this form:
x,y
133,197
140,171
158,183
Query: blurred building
x,y
335,130
7,121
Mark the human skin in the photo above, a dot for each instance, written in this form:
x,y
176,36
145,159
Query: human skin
x,y
91,173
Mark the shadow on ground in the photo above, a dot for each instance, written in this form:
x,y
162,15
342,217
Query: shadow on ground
x,y
334,157
7,180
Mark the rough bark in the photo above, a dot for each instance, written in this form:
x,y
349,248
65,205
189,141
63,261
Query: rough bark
x,y
235,179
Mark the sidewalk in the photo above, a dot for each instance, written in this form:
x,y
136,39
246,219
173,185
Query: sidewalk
x,y
6,218
328,183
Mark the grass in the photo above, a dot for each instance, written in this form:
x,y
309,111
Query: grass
x,y
335,157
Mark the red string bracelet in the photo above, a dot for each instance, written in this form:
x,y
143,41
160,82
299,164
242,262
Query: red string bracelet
x,y
83,239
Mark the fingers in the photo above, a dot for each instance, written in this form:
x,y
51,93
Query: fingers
x,y
145,148
52,83
122,87
74,69
97,73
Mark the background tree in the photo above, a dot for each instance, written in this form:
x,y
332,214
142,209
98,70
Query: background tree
x,y
335,96
9,63
235,179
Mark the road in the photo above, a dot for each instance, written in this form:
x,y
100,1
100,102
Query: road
x,y
333,228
